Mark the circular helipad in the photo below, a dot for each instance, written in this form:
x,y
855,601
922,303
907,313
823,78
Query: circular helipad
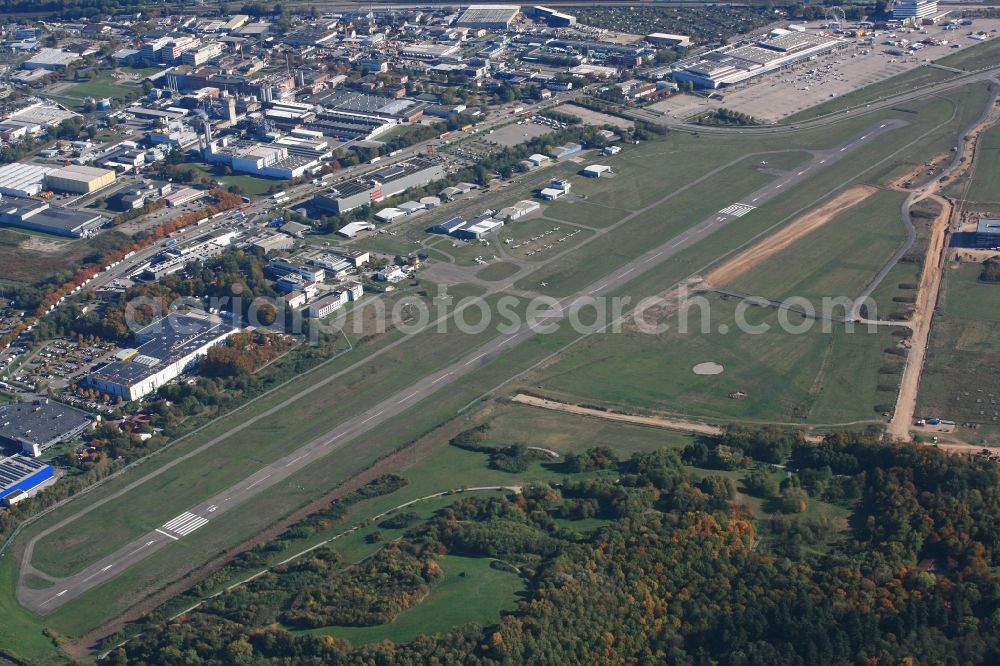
x,y
708,368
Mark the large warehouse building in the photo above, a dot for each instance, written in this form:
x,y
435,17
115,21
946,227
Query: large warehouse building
x,y
39,215
23,180
35,426
21,477
488,17
170,347
738,62
379,185
79,179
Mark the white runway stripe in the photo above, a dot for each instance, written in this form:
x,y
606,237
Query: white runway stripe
x,y
737,210
183,518
187,528
185,523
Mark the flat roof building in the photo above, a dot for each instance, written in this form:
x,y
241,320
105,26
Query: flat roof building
x,y
23,180
449,227
553,17
666,39
488,17
41,216
738,62
35,426
380,185
51,59
21,477
169,347
79,179
903,10
988,233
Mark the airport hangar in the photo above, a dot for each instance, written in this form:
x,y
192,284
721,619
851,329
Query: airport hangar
x,y
738,62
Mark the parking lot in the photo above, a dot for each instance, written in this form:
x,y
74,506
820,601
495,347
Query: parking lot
x,y
515,133
786,92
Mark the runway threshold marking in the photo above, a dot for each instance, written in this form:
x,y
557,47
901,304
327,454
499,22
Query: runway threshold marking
x,y
737,209
184,524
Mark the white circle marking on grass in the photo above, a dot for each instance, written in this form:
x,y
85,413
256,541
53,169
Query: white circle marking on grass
x,y
707,368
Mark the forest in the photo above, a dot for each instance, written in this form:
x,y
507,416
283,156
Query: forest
x,y
680,571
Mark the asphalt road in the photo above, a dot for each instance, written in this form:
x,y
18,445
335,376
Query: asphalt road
x,y
202,514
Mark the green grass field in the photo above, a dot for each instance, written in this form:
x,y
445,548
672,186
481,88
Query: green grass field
x,y
253,185
810,378
963,358
103,85
974,57
497,271
471,592
836,260
985,186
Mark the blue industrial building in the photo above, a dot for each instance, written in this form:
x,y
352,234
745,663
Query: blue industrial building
x,y
21,477
449,227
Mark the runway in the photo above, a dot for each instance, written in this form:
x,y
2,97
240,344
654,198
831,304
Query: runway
x,y
203,515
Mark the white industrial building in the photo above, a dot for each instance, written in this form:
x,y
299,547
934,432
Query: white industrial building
x,y
738,62
389,214
666,39
170,347
903,10
596,170
518,210
350,291
352,229
23,180
488,17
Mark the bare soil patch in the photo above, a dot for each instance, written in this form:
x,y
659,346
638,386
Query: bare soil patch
x,y
788,235
594,117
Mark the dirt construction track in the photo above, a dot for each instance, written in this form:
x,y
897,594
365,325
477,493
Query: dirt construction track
x,y
787,236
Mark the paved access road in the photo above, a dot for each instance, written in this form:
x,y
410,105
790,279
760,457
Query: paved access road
x,y
201,515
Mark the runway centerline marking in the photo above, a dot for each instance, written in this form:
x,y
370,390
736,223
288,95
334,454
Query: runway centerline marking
x,y
261,480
